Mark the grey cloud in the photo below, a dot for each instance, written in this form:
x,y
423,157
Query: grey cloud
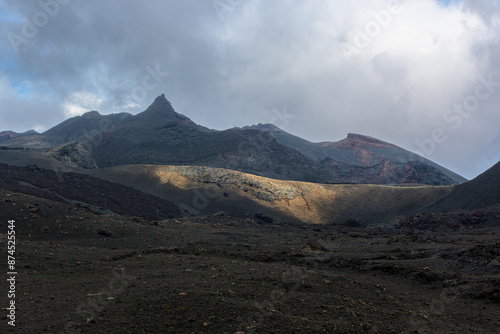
x,y
236,69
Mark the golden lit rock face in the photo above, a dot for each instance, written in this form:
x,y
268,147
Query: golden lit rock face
x,y
262,188
207,190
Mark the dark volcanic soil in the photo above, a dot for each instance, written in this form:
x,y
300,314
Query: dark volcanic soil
x,y
96,194
81,272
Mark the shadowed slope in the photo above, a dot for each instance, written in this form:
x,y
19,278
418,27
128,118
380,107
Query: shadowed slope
x,y
363,159
481,192
96,194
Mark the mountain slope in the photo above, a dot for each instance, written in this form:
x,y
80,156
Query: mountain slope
x,y
471,205
363,159
95,194
479,193
160,136
205,190
89,127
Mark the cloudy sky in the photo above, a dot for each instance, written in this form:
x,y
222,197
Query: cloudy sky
x,y
422,74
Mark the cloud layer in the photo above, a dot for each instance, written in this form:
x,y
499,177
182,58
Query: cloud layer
x,y
395,70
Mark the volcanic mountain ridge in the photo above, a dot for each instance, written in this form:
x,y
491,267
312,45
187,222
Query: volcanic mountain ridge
x,y
161,136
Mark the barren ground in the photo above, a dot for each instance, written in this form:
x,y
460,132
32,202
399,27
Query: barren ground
x,y
81,272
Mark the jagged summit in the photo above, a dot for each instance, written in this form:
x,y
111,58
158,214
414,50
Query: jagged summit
x,y
159,113
162,101
160,104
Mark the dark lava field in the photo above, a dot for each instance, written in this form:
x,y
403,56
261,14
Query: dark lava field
x,y
79,271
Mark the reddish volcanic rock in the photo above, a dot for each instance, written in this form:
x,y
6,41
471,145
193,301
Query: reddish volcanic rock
x,y
363,159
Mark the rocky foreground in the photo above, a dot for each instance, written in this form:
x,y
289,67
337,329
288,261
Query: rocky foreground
x,y
84,272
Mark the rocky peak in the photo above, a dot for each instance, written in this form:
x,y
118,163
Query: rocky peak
x,y
161,110
92,113
161,115
161,104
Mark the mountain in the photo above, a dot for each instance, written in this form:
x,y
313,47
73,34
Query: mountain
x,y
471,205
161,136
363,159
84,128
479,193
8,135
